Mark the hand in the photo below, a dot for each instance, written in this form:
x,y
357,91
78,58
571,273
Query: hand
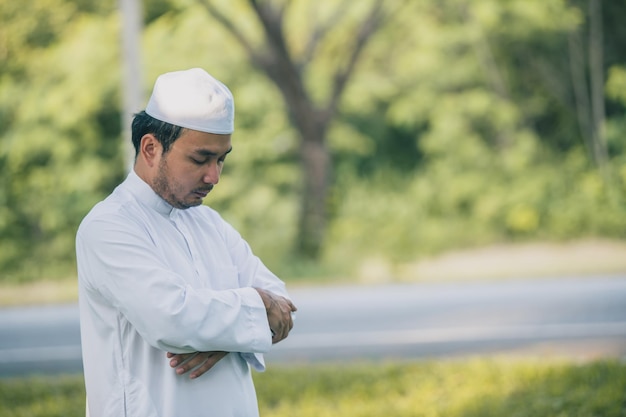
x,y
200,362
279,311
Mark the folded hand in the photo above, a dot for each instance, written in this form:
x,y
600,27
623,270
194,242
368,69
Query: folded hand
x,y
197,362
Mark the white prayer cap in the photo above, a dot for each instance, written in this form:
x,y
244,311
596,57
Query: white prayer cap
x,y
193,99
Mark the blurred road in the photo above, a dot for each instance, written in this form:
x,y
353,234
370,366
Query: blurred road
x,y
580,318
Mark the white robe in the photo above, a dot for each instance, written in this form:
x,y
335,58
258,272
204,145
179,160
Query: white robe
x,y
154,279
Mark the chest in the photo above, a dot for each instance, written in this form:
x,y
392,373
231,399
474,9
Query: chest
x,y
196,250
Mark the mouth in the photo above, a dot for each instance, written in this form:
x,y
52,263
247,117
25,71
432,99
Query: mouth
x,y
202,193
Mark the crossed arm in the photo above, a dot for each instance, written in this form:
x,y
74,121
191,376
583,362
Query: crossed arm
x,y
173,310
279,315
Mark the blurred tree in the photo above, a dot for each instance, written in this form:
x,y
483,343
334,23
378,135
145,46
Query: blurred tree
x,y
485,91
589,89
596,47
286,67
455,124
59,132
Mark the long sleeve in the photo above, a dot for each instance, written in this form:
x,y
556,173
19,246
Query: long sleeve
x,y
123,263
252,273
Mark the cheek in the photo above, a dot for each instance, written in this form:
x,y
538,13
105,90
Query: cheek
x,y
191,177
179,177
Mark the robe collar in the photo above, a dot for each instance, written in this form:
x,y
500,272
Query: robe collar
x,y
146,195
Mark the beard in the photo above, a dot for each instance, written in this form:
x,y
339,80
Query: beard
x,y
169,190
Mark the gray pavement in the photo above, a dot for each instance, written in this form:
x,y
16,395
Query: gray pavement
x,y
584,318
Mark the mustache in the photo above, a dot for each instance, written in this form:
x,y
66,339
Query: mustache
x,y
206,189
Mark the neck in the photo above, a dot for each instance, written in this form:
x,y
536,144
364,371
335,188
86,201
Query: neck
x,y
142,171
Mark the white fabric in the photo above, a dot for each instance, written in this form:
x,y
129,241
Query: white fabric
x,y
154,279
193,99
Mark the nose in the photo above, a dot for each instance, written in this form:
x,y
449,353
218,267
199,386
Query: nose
x,y
212,174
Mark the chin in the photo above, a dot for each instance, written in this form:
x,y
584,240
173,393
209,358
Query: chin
x,y
189,204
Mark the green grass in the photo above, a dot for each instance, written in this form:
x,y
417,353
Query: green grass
x,y
39,397
471,388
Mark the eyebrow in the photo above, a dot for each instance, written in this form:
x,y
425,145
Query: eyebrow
x,y
206,152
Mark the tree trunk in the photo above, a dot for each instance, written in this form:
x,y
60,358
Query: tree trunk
x,y
596,75
582,101
316,163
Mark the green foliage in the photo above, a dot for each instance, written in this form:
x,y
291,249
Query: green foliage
x,y
473,198
458,129
473,388
485,92
59,151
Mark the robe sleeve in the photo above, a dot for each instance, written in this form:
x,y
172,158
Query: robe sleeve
x,y
252,273
122,264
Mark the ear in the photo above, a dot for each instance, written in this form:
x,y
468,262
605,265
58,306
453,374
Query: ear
x,y
150,149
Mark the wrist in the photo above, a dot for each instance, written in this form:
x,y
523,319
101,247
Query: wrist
x,y
265,298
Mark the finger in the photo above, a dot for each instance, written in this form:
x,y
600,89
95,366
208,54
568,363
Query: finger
x,y
290,317
282,332
179,358
211,360
277,333
287,314
190,363
289,322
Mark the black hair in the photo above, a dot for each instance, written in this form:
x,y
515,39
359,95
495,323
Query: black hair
x,y
166,133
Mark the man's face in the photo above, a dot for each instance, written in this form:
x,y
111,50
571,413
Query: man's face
x,y
191,167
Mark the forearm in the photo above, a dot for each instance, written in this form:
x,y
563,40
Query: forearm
x,y
204,320
163,306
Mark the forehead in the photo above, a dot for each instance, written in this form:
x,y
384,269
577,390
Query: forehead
x,y
202,142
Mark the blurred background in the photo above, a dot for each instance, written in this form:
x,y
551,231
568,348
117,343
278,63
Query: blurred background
x,y
377,133
376,142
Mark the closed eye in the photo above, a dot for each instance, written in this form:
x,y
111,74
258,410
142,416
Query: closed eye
x,y
198,162
208,157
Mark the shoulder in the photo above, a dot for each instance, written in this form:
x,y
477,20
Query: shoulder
x,y
115,212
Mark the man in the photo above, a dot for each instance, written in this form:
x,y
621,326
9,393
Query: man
x,y
174,306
